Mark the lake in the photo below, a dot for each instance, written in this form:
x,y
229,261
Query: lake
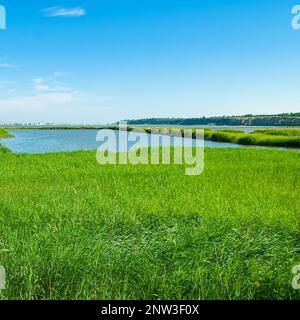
x,y
43,141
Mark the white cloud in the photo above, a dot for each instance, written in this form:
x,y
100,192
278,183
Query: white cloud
x,y
46,95
39,85
50,83
64,12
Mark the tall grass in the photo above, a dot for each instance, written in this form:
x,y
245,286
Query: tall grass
x,y
270,138
73,229
280,132
289,140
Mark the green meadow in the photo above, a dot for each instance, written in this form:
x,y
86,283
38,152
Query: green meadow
x,y
73,229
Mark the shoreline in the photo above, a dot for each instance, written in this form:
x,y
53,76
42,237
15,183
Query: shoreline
x,y
230,138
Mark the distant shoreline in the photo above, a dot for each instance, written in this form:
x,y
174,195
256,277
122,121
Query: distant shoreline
x,y
276,120
75,127
261,136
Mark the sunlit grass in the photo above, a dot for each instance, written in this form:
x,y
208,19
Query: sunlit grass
x,y
288,139
4,134
70,228
280,132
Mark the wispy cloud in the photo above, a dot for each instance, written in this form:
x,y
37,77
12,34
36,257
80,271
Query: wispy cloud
x,y
45,93
58,74
51,99
39,84
6,84
41,87
51,84
38,80
39,100
7,65
64,12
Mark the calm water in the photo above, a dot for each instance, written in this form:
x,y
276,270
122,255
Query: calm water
x,y
43,141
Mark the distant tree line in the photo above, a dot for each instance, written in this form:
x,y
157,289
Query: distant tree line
x,y
284,119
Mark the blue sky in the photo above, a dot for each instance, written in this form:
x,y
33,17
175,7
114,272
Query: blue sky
x,y
100,61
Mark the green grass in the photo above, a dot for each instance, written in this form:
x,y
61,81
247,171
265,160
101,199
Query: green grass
x,y
4,134
254,139
3,150
268,138
280,132
72,229
288,138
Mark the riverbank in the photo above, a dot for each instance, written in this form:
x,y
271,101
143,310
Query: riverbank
x,y
266,138
4,134
61,140
286,138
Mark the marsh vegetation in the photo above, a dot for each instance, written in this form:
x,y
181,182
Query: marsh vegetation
x,y
72,229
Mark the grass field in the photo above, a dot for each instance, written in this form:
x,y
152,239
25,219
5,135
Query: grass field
x,y
70,228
